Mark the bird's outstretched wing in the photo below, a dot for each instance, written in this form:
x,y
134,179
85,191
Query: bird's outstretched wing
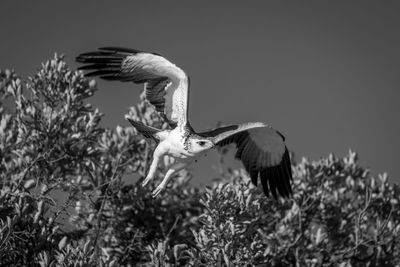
x,y
263,153
166,85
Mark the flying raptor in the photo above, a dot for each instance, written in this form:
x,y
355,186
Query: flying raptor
x,y
261,148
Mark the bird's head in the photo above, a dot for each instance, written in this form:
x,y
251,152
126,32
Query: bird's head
x,y
198,145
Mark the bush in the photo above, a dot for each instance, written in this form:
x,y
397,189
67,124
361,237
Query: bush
x,y
64,199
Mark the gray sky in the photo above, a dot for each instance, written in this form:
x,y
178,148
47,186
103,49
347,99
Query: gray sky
x,y
324,73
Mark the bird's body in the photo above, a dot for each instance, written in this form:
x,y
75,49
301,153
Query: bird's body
x,y
176,143
261,148
179,143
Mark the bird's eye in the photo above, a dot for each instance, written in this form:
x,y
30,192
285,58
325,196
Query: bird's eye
x,y
201,143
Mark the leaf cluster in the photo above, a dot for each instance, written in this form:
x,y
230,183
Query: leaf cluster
x,y
69,195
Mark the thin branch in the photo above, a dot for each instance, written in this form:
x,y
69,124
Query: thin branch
x,y
382,229
113,177
173,226
361,216
27,169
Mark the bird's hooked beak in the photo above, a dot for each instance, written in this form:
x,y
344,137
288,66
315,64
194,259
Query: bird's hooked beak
x,y
212,142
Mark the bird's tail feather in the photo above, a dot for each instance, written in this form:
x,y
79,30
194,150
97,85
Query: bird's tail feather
x,y
146,131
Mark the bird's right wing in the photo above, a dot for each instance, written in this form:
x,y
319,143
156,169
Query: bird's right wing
x,y
263,153
166,85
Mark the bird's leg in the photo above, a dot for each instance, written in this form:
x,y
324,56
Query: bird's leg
x,y
172,170
153,166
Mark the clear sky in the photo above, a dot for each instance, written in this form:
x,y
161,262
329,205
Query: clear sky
x,y
324,73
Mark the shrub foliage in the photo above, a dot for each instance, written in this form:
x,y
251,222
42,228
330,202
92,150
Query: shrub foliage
x,y
66,199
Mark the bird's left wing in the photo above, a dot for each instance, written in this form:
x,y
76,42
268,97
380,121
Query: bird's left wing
x,y
263,153
166,85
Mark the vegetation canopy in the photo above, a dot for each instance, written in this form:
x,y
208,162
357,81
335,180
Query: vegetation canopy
x,y
65,199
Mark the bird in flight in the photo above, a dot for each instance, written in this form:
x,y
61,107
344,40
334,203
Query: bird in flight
x,y
261,148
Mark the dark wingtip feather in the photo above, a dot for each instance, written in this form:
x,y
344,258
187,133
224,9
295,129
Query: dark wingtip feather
x,y
286,167
284,172
80,59
125,50
254,176
276,176
285,181
101,73
272,183
264,182
120,49
284,188
288,164
99,66
276,179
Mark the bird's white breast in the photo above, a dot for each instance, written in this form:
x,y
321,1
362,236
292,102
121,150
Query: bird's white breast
x,y
174,144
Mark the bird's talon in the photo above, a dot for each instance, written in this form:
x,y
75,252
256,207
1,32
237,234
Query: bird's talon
x,y
145,182
156,191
